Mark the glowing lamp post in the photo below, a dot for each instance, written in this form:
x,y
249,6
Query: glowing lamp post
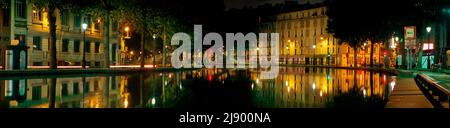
x,y
428,46
83,63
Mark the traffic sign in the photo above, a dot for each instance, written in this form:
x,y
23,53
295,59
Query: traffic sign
x,y
410,32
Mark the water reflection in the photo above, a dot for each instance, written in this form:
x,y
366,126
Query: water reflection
x,y
295,87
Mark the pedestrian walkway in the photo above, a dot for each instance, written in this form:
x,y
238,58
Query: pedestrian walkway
x,y
407,94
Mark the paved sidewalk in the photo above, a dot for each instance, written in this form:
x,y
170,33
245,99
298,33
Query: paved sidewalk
x,y
407,94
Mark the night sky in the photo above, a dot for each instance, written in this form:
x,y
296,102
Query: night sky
x,y
253,3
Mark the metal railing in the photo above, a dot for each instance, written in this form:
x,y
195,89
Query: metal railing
x,y
436,94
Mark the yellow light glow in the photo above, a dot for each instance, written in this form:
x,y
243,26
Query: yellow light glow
x,y
127,29
125,103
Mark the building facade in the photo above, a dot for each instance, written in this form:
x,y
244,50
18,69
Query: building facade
x,y
304,40
29,26
303,37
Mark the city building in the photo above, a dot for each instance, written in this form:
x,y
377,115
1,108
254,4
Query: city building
x,y
304,39
29,26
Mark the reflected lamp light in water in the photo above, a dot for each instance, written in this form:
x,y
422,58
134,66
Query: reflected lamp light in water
x,y
314,86
153,101
392,85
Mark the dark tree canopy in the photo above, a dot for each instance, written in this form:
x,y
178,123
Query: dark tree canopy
x,y
355,21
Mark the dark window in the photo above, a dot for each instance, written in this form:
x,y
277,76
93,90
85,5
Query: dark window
x,y
37,44
77,21
20,8
37,63
65,18
65,47
96,85
76,46
86,87
64,91
87,20
6,13
97,47
88,46
48,44
114,25
75,88
97,64
36,93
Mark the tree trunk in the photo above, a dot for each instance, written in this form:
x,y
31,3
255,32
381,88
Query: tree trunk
x,y
52,23
52,93
355,57
387,65
164,47
2,45
142,50
106,46
404,53
371,54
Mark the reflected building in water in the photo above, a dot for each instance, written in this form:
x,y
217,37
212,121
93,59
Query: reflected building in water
x,y
295,87
87,92
312,88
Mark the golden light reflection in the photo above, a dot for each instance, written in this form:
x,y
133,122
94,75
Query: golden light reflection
x,y
309,83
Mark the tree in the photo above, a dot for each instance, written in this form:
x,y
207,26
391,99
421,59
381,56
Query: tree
x,y
356,21
107,10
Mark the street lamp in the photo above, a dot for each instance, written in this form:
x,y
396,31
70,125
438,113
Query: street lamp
x,y
428,46
83,63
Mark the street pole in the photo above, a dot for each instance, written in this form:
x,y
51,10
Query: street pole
x,y
429,52
83,63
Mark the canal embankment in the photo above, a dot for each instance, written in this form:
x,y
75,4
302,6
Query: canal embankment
x,y
391,71
96,71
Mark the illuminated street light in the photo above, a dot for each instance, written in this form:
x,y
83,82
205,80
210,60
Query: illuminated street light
x,y
84,26
127,29
314,46
83,63
154,36
396,39
429,52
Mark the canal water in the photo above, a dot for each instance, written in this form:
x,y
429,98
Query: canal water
x,y
295,87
